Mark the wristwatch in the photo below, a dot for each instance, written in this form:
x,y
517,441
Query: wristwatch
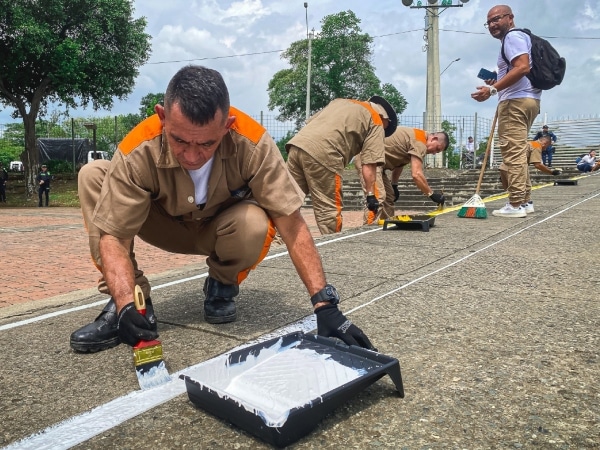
x,y
327,294
493,90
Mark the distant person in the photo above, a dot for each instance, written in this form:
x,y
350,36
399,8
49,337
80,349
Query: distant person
x,y
470,145
518,104
548,152
43,180
534,157
320,151
405,146
588,162
3,181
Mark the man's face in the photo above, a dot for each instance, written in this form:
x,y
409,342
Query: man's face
x,y
434,145
499,21
192,145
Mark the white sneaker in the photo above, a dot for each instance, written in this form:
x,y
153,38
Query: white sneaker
x,y
528,207
509,211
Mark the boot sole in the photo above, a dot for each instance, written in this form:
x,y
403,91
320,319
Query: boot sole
x,y
220,319
93,347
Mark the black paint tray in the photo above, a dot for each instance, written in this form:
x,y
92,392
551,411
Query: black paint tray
x,y
416,222
213,388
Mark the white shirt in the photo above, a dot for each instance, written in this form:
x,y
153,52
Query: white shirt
x,y
516,43
200,177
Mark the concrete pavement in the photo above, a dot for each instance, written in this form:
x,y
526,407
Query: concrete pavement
x,y
495,324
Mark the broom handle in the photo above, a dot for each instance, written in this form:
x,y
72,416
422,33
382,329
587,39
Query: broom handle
x,y
487,152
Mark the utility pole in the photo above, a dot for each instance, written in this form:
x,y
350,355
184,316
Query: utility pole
x,y
309,63
433,101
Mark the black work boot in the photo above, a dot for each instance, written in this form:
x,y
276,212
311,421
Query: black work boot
x,y
102,333
219,306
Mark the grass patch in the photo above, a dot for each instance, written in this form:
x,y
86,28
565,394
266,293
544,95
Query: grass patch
x,y
63,192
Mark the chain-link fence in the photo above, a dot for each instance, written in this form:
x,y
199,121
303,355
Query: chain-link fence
x,y
109,131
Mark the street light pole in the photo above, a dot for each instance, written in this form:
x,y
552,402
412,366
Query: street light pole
x,y
451,62
309,63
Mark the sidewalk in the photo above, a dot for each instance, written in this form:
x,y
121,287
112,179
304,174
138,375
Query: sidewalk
x,y
45,253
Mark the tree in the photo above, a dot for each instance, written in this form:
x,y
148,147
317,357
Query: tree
x,y
148,102
73,52
340,68
451,159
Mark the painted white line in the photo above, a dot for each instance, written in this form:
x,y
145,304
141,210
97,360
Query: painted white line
x,y
83,427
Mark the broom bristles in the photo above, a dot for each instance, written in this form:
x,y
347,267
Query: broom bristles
x,y
474,208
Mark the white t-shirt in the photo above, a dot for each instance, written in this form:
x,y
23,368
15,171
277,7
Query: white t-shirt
x,y
200,177
516,43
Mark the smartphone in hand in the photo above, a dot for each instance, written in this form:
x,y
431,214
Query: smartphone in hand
x,y
485,74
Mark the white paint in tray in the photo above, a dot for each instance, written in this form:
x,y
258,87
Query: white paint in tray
x,y
276,380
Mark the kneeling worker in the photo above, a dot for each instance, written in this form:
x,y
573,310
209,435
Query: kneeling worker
x,y
405,146
198,177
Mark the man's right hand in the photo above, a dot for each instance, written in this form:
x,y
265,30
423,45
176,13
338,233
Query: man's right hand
x,y
556,172
396,192
134,327
438,198
372,203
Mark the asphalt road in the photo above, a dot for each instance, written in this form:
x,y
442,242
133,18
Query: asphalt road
x,y
494,323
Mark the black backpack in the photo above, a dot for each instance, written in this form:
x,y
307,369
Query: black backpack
x,y
548,67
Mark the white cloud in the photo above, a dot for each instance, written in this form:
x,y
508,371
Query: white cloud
x,y
211,32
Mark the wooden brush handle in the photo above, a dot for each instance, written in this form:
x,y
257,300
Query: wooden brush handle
x,y
487,152
138,299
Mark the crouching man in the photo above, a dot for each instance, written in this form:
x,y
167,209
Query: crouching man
x,y
198,177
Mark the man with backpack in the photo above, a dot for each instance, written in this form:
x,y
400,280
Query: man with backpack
x,y
518,104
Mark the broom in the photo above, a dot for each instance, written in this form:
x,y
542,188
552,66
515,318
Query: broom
x,y
474,208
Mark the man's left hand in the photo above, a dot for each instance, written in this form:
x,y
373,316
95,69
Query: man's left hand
x,y
372,203
396,192
332,323
438,198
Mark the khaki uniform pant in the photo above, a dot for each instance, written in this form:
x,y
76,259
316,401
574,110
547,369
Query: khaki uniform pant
x,y
323,185
515,118
235,240
383,192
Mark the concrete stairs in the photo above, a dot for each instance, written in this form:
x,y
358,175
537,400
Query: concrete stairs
x,y
458,187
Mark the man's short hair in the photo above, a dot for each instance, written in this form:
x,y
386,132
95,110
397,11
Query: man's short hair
x,y
545,126
200,92
447,139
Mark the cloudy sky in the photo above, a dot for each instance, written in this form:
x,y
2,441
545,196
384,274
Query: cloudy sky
x,y
243,39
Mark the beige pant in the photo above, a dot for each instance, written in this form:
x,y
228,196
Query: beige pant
x,y
235,240
383,192
323,185
515,118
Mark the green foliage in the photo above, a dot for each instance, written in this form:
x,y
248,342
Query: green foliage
x,y
452,160
57,166
284,140
72,52
148,102
340,68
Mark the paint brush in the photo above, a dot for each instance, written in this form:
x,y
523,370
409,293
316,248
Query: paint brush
x,y
148,355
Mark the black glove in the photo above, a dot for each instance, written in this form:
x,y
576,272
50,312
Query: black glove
x,y
556,172
134,327
396,192
332,323
438,198
372,203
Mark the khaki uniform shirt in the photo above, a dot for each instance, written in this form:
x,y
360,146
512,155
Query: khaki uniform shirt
x,y
144,174
404,143
534,152
340,131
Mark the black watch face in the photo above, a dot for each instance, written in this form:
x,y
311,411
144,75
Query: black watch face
x,y
332,293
